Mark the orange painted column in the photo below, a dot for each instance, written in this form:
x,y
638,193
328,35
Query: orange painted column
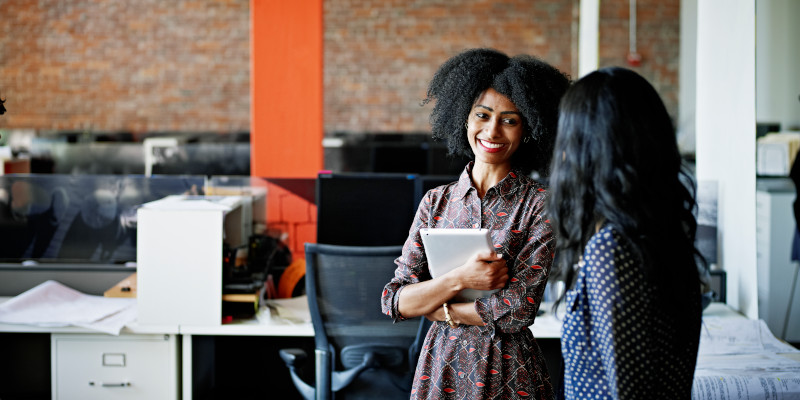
x,y
286,120
286,88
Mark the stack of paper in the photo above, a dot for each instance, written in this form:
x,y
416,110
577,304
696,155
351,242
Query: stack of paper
x,y
741,359
52,304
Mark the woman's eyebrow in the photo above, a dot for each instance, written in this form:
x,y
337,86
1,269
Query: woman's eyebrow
x,y
492,110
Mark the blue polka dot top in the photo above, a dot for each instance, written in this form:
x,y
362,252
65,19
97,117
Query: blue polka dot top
x,y
615,342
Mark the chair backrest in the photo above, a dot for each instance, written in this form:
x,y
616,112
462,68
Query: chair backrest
x,y
344,285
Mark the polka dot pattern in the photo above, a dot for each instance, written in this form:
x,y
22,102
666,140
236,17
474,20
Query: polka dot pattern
x,y
615,343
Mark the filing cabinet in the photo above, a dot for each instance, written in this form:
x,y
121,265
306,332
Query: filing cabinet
x,y
775,226
97,366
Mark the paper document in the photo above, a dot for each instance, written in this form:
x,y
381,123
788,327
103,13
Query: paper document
x,y
744,387
739,336
52,304
293,310
740,359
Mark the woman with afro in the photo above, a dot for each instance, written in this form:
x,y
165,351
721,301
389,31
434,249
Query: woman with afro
x,y
501,112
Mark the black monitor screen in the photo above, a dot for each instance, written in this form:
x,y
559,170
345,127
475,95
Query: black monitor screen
x,y
428,182
365,209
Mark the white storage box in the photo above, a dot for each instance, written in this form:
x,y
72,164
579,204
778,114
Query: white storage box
x,y
179,256
776,153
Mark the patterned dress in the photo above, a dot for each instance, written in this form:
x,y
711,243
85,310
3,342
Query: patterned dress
x,y
500,360
615,344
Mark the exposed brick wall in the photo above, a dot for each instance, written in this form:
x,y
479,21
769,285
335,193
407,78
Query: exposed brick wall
x,y
290,214
183,65
380,55
144,65
657,40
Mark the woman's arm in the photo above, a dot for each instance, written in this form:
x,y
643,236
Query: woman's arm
x,y
514,308
618,328
413,293
483,272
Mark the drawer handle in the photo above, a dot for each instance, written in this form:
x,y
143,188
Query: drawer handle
x,y
111,384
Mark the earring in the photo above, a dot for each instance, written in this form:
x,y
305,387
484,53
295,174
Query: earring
x,y
526,139
466,125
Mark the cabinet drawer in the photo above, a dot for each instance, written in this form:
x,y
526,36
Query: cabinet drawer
x,y
114,367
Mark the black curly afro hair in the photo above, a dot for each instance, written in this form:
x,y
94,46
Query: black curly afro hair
x,y
534,86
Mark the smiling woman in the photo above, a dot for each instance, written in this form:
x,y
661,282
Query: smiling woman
x,y
501,112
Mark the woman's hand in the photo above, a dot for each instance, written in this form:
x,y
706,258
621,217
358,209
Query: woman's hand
x,y
484,271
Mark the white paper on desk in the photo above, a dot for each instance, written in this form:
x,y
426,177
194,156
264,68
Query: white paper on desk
x,y
53,304
747,363
739,336
292,310
742,387
114,323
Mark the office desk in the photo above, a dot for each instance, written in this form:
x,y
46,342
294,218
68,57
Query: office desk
x,y
546,329
740,358
182,336
777,372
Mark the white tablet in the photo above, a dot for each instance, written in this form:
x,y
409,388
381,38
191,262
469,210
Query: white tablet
x,y
447,249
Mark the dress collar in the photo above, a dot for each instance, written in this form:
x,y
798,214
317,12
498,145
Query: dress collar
x,y
506,187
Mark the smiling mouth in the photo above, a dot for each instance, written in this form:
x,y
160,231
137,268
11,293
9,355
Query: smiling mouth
x,y
490,146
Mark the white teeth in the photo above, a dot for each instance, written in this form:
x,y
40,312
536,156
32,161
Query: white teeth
x,y
491,145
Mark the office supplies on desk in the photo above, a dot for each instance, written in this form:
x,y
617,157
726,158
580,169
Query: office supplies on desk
x,y
241,300
124,288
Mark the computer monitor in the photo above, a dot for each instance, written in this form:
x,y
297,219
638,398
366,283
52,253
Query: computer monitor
x,y
365,209
428,182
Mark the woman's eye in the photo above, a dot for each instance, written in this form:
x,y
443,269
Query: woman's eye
x,y
481,115
510,121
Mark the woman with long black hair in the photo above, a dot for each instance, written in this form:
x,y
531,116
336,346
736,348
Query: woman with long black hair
x,y
621,204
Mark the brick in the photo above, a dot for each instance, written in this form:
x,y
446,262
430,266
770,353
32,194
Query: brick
x,y
183,65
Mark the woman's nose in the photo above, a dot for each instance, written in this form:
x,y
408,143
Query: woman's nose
x,y
492,128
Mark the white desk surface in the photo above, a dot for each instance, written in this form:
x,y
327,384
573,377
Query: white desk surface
x,y
251,328
546,326
244,328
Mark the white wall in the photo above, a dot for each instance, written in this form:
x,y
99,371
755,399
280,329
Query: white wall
x,y
687,77
778,62
725,136
588,37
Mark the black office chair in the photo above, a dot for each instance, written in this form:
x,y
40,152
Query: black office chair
x,y
360,352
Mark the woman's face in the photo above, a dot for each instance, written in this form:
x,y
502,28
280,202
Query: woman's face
x,y
494,128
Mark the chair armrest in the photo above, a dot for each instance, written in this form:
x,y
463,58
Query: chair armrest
x,y
293,357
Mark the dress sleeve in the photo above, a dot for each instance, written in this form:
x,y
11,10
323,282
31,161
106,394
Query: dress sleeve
x,y
616,296
412,266
513,308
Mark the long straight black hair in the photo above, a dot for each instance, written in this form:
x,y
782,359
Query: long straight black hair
x,y
616,161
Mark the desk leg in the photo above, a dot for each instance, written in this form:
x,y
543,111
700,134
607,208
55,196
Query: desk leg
x,y
187,367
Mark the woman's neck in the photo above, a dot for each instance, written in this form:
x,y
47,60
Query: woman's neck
x,y
484,176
